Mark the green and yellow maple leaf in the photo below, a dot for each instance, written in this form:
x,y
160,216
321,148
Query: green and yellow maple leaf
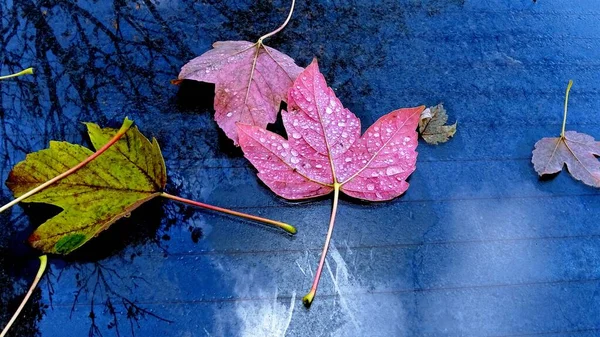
x,y
129,173
95,193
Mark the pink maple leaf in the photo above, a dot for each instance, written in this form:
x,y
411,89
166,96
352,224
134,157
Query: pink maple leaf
x,y
325,152
251,80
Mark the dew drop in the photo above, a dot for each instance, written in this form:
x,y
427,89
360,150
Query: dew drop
x,y
344,135
341,124
370,187
376,134
328,111
294,160
285,145
348,159
296,135
393,170
229,114
309,99
294,152
319,166
284,154
374,174
262,140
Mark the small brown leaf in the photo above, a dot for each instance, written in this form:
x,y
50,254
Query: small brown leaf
x,y
576,150
431,125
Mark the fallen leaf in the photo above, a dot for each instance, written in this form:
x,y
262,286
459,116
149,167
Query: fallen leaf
x,y
129,173
325,152
251,80
432,125
577,151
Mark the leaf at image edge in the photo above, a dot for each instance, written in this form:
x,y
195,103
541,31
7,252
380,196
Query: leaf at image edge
x,y
127,175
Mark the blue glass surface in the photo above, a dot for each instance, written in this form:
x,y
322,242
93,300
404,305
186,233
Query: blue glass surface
x,y
478,246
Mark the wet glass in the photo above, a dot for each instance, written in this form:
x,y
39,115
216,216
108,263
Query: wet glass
x,y
477,246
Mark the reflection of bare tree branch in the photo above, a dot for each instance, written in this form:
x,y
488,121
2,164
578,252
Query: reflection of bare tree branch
x,y
50,286
99,284
95,60
84,65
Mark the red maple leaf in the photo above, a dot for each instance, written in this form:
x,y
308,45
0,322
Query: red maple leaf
x,y
325,151
250,80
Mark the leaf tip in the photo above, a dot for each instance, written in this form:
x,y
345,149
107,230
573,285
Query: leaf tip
x,y
89,125
176,81
314,64
33,239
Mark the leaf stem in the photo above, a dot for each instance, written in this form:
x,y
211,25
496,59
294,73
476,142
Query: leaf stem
x,y
562,133
40,273
307,300
286,227
28,71
126,125
280,27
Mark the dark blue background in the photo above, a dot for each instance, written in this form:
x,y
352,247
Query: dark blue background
x,y
478,246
